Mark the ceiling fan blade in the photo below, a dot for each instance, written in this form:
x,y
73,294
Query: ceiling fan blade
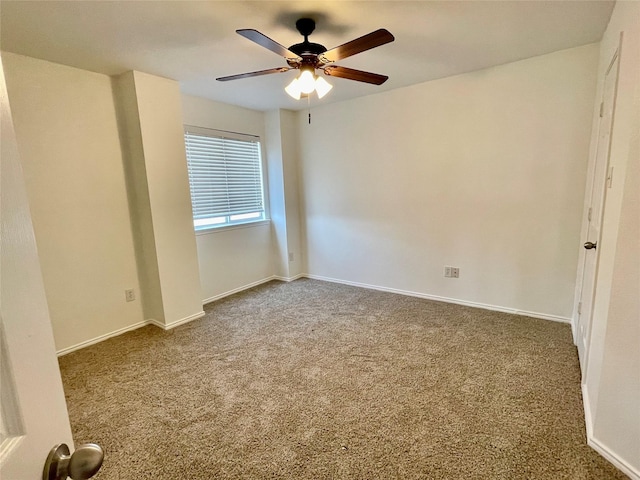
x,y
264,41
352,74
367,42
254,74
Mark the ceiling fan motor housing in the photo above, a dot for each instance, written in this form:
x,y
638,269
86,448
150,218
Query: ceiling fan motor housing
x,y
306,50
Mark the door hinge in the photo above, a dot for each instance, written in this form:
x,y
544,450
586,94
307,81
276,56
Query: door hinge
x,y
579,308
601,109
589,214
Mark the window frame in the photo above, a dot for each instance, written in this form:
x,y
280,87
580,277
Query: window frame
x,y
230,225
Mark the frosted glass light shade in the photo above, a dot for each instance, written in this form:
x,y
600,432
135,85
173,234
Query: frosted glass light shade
x,y
322,87
293,89
307,81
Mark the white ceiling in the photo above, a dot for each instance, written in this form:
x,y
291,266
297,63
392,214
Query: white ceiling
x,y
194,42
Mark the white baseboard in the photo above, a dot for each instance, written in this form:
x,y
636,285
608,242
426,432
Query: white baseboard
x,y
101,338
176,323
600,447
289,279
251,285
169,326
593,442
200,314
239,289
619,463
496,308
588,420
135,326
543,316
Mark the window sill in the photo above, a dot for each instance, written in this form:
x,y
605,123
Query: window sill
x,y
226,228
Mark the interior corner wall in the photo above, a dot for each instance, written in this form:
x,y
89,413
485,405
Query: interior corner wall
x,y
611,381
483,171
290,138
282,161
231,259
159,109
277,206
67,137
126,102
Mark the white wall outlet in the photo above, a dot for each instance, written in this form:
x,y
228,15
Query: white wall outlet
x,y
129,295
291,256
451,272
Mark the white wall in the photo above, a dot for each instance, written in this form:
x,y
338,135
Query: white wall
x,y
230,258
125,99
86,226
484,171
283,158
277,205
296,255
67,138
159,113
612,379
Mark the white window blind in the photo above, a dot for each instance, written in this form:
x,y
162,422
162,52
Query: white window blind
x,y
225,177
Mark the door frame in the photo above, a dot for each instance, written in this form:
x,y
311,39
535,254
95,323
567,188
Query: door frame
x,y
583,350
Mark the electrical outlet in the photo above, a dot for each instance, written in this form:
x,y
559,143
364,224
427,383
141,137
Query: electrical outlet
x,y
451,272
291,256
129,295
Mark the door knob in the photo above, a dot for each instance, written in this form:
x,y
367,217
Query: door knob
x,y
84,463
590,245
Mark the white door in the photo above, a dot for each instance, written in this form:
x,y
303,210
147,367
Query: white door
x,y
34,413
600,178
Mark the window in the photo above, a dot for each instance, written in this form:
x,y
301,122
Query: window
x,y
225,177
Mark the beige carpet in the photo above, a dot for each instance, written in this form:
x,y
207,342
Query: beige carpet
x,y
313,380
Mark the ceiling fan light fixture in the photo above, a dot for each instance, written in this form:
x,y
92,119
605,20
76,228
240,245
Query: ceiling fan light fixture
x,y
307,81
322,87
308,56
293,89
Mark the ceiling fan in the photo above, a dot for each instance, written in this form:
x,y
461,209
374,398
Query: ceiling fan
x,y
309,57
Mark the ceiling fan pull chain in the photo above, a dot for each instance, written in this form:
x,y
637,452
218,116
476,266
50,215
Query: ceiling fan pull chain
x,y
309,107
